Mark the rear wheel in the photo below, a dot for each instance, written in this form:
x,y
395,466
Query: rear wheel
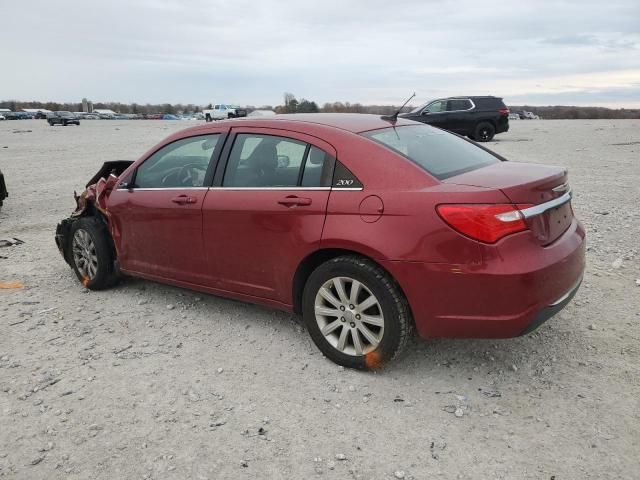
x,y
356,313
484,132
91,255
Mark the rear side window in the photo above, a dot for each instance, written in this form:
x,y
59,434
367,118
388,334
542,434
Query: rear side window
x,y
459,104
258,161
440,153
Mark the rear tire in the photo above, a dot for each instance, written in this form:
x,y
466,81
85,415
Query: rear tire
x,y
355,313
91,253
484,132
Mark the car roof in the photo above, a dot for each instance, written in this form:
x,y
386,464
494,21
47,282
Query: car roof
x,y
351,122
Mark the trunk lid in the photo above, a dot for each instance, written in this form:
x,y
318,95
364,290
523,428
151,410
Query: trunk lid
x,y
526,183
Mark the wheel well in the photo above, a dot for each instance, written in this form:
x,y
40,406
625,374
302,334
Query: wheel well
x,y
92,211
486,120
313,261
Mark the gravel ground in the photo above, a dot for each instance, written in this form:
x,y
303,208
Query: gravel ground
x,y
151,381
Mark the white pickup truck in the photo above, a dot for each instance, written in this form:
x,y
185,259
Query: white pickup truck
x,y
222,112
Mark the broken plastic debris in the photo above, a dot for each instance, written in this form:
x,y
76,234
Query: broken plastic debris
x,y
8,285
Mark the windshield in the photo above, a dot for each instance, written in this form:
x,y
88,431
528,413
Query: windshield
x,y
417,109
440,153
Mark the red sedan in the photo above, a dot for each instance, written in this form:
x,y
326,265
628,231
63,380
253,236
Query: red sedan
x,y
367,227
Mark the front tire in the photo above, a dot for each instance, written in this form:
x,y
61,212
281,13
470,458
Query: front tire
x,y
91,254
484,132
355,313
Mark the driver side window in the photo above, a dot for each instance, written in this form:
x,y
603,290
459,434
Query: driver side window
x,y
436,107
180,164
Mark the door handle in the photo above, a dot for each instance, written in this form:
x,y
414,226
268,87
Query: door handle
x,y
293,201
183,199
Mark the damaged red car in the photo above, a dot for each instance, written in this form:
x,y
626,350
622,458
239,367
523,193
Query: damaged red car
x,y
371,228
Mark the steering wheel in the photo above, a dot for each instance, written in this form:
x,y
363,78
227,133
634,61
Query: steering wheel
x,y
188,174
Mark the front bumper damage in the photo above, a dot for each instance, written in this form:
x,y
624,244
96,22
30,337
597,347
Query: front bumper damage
x,y
3,189
93,201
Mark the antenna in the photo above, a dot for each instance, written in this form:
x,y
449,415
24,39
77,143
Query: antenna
x,y
394,118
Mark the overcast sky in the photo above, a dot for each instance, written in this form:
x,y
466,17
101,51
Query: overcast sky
x,y
373,52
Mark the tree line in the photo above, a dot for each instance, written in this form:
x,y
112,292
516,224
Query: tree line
x,y
292,105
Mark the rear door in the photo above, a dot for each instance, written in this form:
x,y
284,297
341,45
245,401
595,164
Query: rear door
x,y
458,118
156,216
266,211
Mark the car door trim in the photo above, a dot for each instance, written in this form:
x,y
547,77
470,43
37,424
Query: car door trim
x,y
147,189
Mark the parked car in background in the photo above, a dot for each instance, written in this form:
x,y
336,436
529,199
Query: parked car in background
x,y
514,116
3,189
479,118
223,112
299,212
62,118
2,117
525,115
12,116
153,116
168,116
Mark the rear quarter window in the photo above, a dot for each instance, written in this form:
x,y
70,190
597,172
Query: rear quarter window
x,y
440,153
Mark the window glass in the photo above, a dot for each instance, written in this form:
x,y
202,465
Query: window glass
x,y
436,107
459,104
179,164
264,161
317,169
440,153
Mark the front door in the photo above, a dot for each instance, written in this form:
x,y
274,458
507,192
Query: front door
x,y
156,217
267,210
435,114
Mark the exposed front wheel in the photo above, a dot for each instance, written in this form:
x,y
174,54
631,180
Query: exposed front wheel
x,y
356,313
91,253
484,132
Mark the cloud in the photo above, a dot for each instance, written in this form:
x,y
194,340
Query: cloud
x,y
368,51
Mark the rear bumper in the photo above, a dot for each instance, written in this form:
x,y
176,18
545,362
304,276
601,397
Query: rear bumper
x,y
510,293
549,311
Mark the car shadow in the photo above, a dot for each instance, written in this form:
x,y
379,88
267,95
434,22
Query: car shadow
x,y
463,357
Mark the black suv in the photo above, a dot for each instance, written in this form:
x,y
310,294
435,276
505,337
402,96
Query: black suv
x,y
62,118
479,118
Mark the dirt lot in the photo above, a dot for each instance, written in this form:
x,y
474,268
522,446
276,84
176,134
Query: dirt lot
x,y
150,381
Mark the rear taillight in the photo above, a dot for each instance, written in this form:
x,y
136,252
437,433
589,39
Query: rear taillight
x,y
503,111
486,223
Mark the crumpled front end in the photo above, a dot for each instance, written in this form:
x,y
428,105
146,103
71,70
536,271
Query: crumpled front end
x,y
93,201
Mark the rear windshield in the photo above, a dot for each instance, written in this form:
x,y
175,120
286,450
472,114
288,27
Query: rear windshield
x,y
440,153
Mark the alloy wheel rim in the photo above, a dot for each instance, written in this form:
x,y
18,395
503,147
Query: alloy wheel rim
x,y
484,133
349,316
84,254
